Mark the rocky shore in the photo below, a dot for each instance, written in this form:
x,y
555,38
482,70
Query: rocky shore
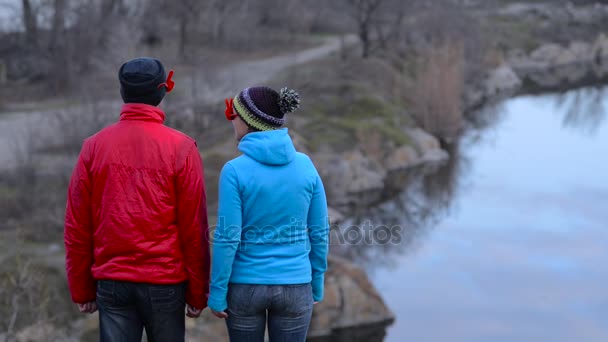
x,y
358,179
550,67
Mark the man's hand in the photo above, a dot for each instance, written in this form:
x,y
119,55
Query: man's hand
x,y
218,314
89,307
193,312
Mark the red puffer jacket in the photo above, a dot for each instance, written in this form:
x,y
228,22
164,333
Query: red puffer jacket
x,y
136,209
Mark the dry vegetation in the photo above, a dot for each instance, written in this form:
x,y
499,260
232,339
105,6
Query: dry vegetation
x,y
437,94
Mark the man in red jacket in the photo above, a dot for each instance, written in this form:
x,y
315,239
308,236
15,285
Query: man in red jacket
x,y
136,232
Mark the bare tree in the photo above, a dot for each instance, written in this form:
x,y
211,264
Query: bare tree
x,y
364,12
29,22
59,8
389,26
185,12
220,10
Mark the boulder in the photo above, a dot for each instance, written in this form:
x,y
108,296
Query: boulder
x,y
552,66
547,54
427,146
422,140
351,179
402,158
350,301
581,51
502,80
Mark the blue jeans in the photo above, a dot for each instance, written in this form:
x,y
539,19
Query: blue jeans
x,y
287,308
125,309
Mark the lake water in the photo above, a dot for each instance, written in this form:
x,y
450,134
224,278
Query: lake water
x,y
519,251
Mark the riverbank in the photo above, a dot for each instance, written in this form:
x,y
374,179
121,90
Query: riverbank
x,y
520,255
362,163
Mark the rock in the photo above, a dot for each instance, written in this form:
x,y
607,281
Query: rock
x,y
581,51
352,179
362,174
499,83
426,148
547,53
502,80
355,179
552,66
402,158
586,15
422,140
350,301
435,156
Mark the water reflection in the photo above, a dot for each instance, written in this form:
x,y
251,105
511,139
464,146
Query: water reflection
x,y
425,198
426,194
429,196
585,108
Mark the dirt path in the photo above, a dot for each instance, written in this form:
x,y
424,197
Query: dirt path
x,y
19,129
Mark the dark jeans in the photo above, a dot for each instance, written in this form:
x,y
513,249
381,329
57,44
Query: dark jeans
x,y
288,309
126,308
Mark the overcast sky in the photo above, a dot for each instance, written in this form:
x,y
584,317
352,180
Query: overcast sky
x,y
9,10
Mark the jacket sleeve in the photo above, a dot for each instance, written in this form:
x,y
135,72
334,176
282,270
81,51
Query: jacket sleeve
x,y
193,228
227,237
318,233
78,233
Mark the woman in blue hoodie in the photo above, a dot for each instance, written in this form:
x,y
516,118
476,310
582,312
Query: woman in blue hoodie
x,y
271,241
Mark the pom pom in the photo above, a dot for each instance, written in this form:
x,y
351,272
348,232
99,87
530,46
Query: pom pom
x,y
289,100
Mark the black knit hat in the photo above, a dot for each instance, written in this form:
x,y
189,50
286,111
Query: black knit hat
x,y
263,108
140,79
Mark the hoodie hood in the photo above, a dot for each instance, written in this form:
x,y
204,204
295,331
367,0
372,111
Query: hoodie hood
x,y
269,147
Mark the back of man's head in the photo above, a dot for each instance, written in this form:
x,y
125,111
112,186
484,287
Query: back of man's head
x,y
141,79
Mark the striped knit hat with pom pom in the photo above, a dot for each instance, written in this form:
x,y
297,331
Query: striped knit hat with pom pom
x,y
263,108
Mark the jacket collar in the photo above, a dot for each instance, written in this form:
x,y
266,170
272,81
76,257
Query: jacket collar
x,y
141,112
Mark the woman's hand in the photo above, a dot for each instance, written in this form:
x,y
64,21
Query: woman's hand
x,y
219,314
89,307
193,312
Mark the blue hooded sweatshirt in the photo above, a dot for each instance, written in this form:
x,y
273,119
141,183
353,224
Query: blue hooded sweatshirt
x,y
272,227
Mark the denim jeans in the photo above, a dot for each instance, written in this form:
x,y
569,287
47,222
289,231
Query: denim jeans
x,y
125,309
286,308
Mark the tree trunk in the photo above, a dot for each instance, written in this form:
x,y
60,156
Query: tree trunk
x,y
58,23
58,48
364,36
29,23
